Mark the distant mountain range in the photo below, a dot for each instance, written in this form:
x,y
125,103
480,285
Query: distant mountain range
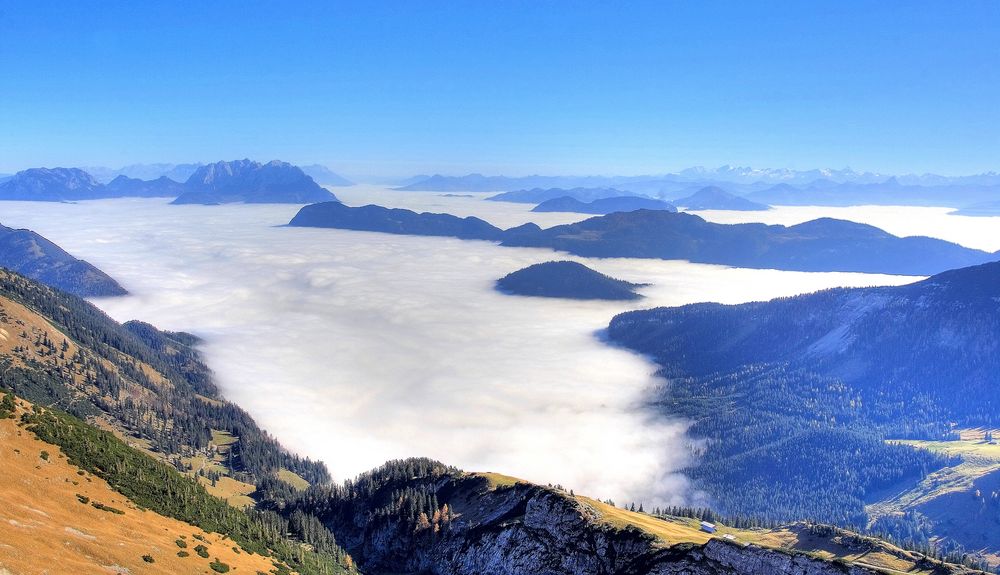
x,y
33,256
222,182
176,172
603,206
324,176
715,198
538,195
891,191
51,185
770,187
162,187
818,245
565,279
251,182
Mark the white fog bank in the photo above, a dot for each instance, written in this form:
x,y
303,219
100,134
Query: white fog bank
x,y
357,347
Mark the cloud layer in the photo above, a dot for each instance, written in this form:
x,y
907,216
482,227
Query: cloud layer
x,y
358,347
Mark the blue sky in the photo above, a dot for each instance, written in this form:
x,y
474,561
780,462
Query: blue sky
x,y
503,87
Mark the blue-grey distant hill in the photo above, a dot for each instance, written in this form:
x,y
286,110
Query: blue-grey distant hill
x,y
604,205
645,185
223,182
565,279
539,195
51,185
246,181
477,183
126,187
716,198
393,221
925,189
33,256
74,184
176,172
324,176
984,209
819,245
890,192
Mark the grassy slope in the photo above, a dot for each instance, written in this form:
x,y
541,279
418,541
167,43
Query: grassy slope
x,y
837,544
947,497
44,528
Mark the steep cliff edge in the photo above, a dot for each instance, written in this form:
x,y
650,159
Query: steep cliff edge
x,y
418,516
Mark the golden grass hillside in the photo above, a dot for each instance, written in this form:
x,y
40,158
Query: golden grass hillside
x,y
49,523
825,543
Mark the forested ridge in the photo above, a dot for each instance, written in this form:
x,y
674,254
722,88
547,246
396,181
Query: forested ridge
x,y
34,256
152,384
797,396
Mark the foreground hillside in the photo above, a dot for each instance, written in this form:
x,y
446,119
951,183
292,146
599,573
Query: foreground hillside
x,y
158,430
419,516
59,519
790,389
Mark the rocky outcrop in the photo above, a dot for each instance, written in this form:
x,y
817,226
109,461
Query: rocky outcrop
x,y
521,528
246,181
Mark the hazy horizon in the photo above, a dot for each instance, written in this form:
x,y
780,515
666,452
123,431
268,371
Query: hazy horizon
x,y
379,178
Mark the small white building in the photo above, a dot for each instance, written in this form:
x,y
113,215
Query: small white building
x,y
708,527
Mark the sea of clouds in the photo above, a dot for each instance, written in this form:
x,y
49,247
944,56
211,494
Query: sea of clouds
x,y
357,347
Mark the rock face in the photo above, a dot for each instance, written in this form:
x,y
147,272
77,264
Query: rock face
x,y
715,198
566,279
253,183
31,255
603,206
51,185
527,529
